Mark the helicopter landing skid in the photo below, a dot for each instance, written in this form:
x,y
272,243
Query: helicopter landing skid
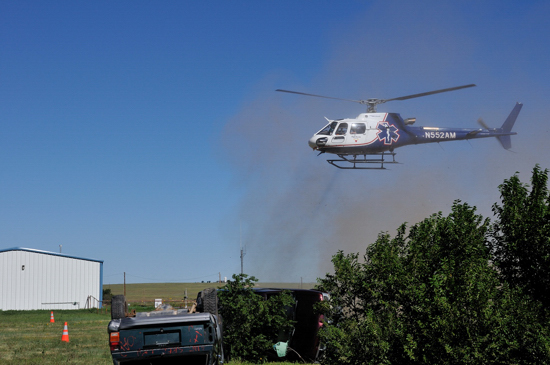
x,y
353,162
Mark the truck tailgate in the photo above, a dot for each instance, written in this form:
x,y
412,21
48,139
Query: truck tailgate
x,y
192,336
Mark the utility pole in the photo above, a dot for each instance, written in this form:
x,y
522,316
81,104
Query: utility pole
x,y
242,250
124,284
242,256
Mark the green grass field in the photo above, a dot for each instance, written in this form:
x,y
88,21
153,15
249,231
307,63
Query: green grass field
x,y
173,293
28,337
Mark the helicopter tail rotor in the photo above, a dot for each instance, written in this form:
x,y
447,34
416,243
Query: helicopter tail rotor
x,y
482,124
506,128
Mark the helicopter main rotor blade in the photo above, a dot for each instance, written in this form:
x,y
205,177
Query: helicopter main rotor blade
x,y
430,93
320,96
371,103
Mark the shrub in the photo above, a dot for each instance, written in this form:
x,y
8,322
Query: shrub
x,y
431,296
251,323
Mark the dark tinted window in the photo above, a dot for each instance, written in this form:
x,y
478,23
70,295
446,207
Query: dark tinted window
x,y
342,129
358,128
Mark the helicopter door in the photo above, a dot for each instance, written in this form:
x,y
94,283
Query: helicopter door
x,y
357,132
340,135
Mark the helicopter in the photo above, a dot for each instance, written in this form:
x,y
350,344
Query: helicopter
x,y
367,142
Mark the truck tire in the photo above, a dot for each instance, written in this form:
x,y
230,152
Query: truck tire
x,y
118,306
200,307
210,301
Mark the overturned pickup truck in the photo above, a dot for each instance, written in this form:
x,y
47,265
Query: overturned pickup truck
x,y
302,344
164,337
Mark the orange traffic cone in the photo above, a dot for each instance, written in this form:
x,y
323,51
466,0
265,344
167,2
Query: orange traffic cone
x,y
65,337
51,318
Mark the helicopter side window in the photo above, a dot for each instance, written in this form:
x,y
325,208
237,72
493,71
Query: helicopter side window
x,y
358,128
342,129
327,131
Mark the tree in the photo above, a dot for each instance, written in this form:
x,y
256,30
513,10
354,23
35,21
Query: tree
x,y
429,296
252,324
107,295
521,235
361,316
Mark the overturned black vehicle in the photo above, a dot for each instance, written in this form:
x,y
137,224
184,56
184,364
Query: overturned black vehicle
x,y
302,343
163,336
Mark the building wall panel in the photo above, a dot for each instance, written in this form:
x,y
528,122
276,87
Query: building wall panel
x,y
47,281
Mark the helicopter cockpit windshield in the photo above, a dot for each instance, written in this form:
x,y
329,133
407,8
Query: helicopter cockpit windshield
x,y
329,128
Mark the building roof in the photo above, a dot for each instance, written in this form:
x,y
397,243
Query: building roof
x,y
48,253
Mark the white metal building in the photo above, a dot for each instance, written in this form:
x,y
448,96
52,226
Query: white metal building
x,y
34,279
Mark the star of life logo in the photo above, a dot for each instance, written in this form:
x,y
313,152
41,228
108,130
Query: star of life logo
x,y
387,132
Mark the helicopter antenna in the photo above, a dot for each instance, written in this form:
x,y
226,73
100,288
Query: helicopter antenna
x,y
372,103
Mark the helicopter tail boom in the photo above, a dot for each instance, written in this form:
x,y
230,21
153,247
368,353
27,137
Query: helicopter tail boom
x,y
507,126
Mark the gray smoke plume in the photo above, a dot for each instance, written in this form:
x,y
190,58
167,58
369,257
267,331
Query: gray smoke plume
x,y
297,210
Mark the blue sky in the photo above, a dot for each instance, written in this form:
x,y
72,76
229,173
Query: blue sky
x,y
149,135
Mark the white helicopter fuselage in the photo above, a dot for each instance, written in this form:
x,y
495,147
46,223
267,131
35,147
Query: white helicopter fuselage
x,y
367,132
378,134
374,133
